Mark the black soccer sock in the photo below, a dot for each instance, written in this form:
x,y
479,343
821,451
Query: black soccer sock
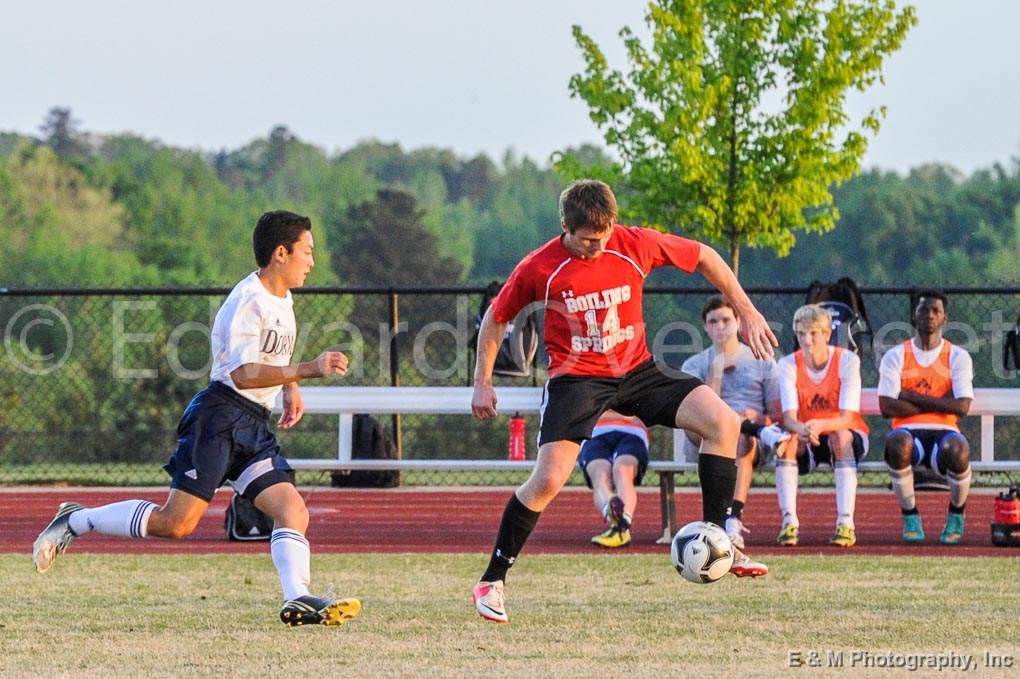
x,y
908,512
957,510
749,428
718,477
517,524
736,509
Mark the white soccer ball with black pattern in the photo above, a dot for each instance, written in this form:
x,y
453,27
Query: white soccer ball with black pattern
x,y
702,552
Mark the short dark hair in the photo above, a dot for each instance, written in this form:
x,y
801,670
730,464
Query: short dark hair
x,y
715,302
588,204
932,294
276,228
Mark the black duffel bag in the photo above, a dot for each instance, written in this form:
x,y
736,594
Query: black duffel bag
x,y
370,442
244,521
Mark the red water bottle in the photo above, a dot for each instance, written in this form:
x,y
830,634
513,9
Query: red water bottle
x,y
516,438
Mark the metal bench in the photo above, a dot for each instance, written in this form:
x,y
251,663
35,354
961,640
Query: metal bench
x,y
346,401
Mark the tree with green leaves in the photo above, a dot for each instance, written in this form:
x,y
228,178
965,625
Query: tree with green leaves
x,y
731,122
386,243
61,132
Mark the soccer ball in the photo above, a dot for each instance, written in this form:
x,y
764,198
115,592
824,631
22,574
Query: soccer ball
x,y
701,552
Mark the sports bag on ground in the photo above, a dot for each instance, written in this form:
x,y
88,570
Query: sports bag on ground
x,y
243,521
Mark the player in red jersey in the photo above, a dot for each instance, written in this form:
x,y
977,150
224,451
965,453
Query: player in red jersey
x,y
589,281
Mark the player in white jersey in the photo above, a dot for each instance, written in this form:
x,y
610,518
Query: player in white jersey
x,y
224,433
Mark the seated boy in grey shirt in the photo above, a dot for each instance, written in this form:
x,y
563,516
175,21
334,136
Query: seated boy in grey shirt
x,y
749,386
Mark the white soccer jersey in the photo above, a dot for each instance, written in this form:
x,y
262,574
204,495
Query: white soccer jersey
x,y
961,369
253,326
849,376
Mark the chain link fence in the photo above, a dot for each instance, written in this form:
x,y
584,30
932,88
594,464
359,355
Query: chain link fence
x,y
94,381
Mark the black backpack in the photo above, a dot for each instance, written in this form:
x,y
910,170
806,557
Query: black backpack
x,y
844,302
516,355
244,521
370,442
1011,349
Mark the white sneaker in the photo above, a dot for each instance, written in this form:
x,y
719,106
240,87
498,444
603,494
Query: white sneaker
x,y
772,435
734,530
54,538
745,567
489,601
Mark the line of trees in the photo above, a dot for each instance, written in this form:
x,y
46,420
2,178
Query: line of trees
x,y
79,209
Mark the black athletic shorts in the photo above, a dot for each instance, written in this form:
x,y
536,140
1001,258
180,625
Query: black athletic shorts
x,y
822,453
572,404
224,436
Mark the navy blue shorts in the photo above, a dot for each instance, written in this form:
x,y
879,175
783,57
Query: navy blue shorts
x,y
224,436
813,456
927,443
610,446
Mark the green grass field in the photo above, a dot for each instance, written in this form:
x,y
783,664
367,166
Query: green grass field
x,y
571,616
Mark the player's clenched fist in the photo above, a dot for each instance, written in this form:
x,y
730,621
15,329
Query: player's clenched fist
x,y
331,362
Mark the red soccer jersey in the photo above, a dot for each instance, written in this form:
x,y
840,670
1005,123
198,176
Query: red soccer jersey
x,y
594,323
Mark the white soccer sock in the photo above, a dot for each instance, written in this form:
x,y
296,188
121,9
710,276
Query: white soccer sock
x,y
845,472
959,487
292,559
786,490
127,519
903,486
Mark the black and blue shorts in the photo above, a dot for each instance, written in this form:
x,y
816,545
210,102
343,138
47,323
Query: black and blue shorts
x,y
572,404
609,447
224,436
927,444
813,456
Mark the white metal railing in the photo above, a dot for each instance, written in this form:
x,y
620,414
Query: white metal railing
x,y
346,401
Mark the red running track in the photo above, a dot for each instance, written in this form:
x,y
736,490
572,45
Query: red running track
x,y
410,520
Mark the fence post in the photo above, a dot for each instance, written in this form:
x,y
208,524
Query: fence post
x,y
398,438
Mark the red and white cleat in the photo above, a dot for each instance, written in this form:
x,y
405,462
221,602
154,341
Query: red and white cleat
x,y
744,567
489,601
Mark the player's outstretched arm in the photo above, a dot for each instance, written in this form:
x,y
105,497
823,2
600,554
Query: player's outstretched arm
x,y
753,326
258,375
490,334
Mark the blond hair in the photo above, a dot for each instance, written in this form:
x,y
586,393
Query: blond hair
x,y
811,316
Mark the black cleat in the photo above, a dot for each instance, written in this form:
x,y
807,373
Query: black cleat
x,y
54,538
315,610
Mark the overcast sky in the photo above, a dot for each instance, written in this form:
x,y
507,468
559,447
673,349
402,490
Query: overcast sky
x,y
473,75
